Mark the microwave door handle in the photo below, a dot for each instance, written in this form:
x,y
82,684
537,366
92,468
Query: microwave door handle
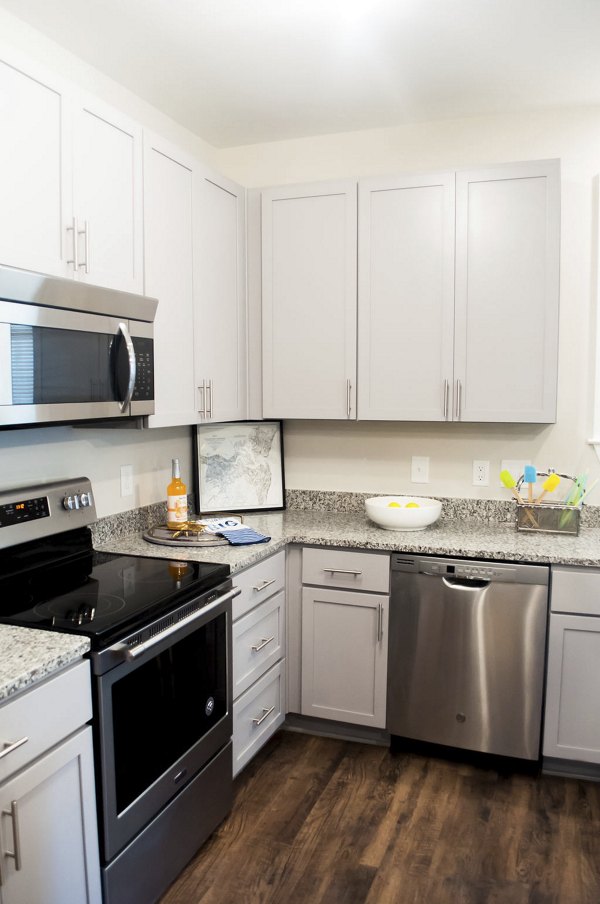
x,y
132,366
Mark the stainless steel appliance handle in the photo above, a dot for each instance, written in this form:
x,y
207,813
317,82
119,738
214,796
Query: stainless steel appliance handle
x,y
265,715
132,366
16,853
256,648
136,651
465,583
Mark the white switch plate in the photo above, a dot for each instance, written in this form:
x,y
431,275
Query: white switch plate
x,y
419,469
481,473
126,480
514,465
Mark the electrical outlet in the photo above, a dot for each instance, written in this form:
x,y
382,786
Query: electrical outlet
x,y
126,480
481,473
419,469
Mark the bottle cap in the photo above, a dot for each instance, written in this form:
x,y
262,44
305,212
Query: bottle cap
x,y
176,471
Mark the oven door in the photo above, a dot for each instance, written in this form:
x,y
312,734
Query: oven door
x,y
58,365
161,717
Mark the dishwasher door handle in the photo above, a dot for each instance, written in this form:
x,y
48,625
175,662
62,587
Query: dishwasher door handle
x,y
465,583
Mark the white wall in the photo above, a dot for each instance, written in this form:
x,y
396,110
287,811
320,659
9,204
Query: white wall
x,y
375,457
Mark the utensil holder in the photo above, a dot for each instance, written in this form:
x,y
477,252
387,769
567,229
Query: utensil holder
x,y
549,518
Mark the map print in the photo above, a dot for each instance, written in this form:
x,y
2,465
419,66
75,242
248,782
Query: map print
x,y
240,467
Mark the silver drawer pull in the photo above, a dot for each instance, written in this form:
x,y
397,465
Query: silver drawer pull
x,y
14,815
9,747
263,585
264,641
342,571
266,713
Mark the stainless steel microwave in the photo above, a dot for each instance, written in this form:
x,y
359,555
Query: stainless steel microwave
x,y
70,351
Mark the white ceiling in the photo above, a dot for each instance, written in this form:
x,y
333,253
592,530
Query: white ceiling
x,y
245,71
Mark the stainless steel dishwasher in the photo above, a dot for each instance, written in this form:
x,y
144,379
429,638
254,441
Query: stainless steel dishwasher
x,y
466,654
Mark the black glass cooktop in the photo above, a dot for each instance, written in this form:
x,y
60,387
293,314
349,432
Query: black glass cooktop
x,y
61,584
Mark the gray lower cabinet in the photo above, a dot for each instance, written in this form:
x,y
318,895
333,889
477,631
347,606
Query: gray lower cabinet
x,y
48,830
344,635
572,721
259,642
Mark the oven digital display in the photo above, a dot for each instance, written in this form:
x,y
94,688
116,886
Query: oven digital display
x,y
24,510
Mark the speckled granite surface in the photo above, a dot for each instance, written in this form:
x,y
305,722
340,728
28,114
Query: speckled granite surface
x,y
464,536
28,655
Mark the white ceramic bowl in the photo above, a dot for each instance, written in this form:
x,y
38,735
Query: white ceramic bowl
x,y
419,515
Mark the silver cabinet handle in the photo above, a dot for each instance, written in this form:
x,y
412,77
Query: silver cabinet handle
x,y
263,585
209,411
202,408
9,746
85,232
348,398
458,399
16,853
265,715
379,622
73,228
256,648
132,366
446,392
342,571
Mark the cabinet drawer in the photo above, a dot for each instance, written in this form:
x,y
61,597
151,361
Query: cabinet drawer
x,y
575,590
258,583
45,714
258,642
346,568
257,715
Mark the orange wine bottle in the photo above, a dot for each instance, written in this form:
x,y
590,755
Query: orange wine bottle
x,y
177,504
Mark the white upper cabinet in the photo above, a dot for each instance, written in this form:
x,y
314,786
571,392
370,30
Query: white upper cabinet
x,y
168,235
220,291
70,181
405,297
507,293
107,197
33,166
309,301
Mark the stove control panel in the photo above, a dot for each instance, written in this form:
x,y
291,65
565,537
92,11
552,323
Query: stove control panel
x,y
29,513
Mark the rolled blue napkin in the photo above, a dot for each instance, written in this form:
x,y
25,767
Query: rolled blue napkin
x,y
240,536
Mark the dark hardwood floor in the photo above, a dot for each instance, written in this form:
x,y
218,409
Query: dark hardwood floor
x,y
322,820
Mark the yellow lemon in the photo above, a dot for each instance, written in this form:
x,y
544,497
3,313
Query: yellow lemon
x,y
412,505
393,505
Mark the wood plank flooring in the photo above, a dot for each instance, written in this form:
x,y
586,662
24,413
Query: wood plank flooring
x,y
323,820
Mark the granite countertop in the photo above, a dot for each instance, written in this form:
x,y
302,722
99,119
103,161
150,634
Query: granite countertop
x,y
456,537
29,655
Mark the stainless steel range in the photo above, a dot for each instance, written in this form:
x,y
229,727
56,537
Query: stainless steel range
x,y
160,634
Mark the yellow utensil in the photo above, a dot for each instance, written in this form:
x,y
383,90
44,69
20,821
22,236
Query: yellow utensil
x,y
510,483
550,484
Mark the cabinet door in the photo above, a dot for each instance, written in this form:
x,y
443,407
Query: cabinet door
x,y
168,205
48,818
406,297
220,291
309,301
33,168
107,191
572,722
507,260
344,655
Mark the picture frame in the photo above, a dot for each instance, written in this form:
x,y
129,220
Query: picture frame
x,y
239,467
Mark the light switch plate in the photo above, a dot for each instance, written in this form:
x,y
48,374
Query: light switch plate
x,y
419,469
126,480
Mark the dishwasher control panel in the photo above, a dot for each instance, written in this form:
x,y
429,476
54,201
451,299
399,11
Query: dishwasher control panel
x,y
469,569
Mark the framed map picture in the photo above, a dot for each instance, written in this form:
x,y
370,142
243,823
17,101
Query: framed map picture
x,y
240,467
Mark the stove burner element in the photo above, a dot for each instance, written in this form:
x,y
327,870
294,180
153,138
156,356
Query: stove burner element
x,y
80,609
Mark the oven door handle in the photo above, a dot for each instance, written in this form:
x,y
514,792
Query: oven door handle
x,y
132,653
